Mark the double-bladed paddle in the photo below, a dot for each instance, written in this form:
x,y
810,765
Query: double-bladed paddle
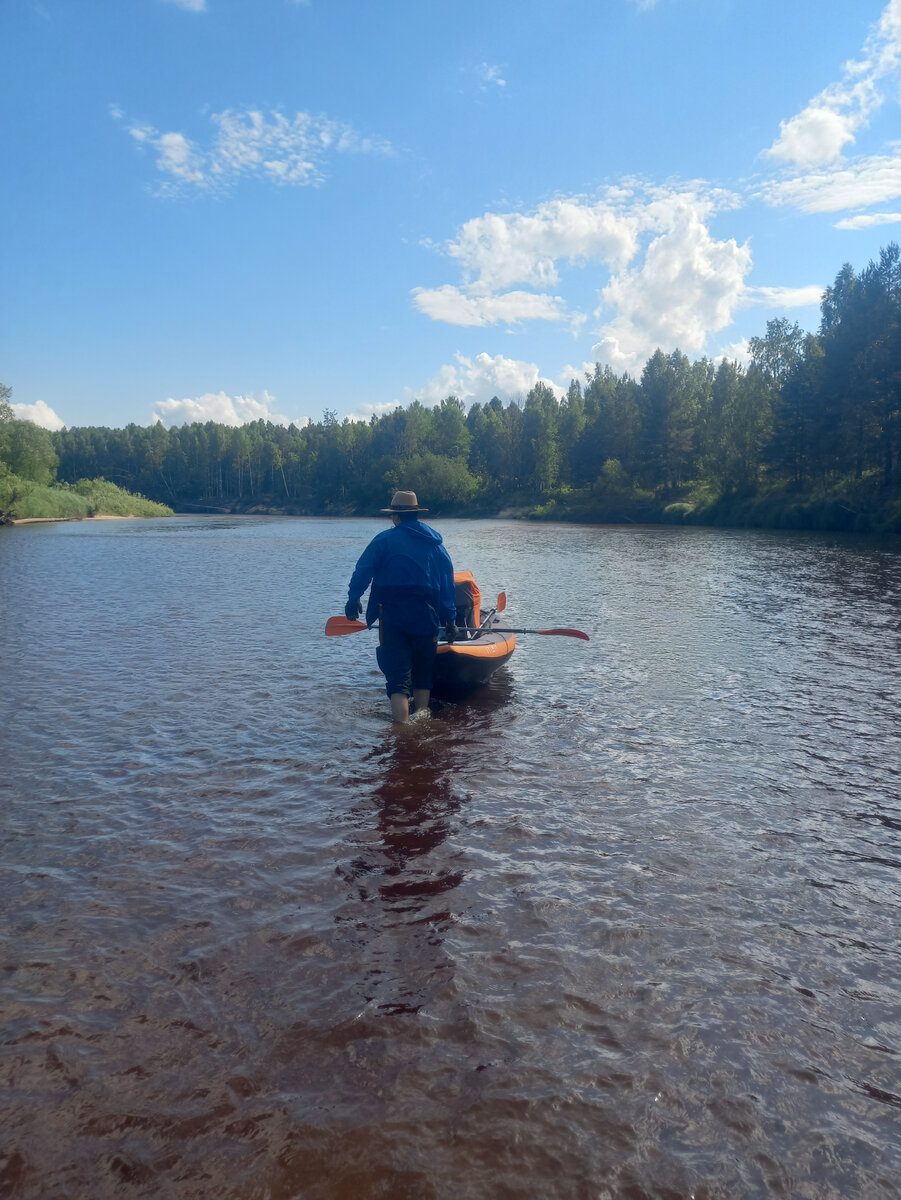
x,y
337,626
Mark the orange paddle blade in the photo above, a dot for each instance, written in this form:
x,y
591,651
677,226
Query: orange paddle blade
x,y
336,626
501,602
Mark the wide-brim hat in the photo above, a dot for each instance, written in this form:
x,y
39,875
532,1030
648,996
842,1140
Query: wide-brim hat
x,y
404,502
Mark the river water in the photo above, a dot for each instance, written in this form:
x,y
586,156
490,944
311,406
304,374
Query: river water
x,y
624,925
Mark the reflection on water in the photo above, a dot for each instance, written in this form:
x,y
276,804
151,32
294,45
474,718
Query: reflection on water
x,y
404,874
403,893
624,924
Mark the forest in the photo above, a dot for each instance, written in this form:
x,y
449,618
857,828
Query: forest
x,y
807,435
30,490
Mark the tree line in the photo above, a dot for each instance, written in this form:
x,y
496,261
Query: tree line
x,y
809,433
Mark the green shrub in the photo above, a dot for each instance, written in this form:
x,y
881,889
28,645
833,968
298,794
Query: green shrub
x,y
23,499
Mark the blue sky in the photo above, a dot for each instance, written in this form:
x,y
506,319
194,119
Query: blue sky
x,y
230,209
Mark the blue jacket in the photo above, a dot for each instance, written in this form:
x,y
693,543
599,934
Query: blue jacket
x,y
412,578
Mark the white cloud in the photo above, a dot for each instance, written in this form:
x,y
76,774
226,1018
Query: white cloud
x,y
814,140
859,183
816,135
819,133
189,5
668,281
644,5
739,352
570,372
491,76
449,304
219,407
500,249
866,220
476,380
179,158
687,287
787,297
39,413
366,411
285,150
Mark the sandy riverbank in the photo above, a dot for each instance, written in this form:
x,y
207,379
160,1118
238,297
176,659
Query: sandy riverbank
x,y
45,520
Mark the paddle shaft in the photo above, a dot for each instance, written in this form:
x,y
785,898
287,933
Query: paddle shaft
x,y
576,633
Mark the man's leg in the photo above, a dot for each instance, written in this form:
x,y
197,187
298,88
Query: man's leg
x,y
423,659
393,657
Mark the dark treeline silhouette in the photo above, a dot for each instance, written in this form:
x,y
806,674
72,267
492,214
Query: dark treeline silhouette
x,y
808,435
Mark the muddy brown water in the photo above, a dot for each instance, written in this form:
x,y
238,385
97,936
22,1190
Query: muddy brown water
x,y
624,925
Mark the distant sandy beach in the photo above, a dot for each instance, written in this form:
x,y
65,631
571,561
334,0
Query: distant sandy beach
x,y
44,520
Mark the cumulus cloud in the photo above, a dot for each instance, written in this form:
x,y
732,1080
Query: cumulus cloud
x,y
739,352
285,150
39,414
687,287
664,278
366,411
449,304
571,372
476,380
222,408
500,249
819,133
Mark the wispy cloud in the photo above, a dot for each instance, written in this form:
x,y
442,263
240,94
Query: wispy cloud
x,y
491,75
450,304
787,297
188,5
222,408
867,220
289,151
857,183
812,143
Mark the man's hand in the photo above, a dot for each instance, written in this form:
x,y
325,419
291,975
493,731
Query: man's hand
x,y
352,610
451,632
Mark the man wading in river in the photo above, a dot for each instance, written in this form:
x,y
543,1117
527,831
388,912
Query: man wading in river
x,y
412,595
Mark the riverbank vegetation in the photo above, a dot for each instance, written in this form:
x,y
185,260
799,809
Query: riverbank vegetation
x,y
807,435
29,489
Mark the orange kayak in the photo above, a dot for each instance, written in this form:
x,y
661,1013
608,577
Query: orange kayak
x,y
470,661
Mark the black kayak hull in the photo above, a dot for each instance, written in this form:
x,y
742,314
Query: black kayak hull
x,y
467,664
